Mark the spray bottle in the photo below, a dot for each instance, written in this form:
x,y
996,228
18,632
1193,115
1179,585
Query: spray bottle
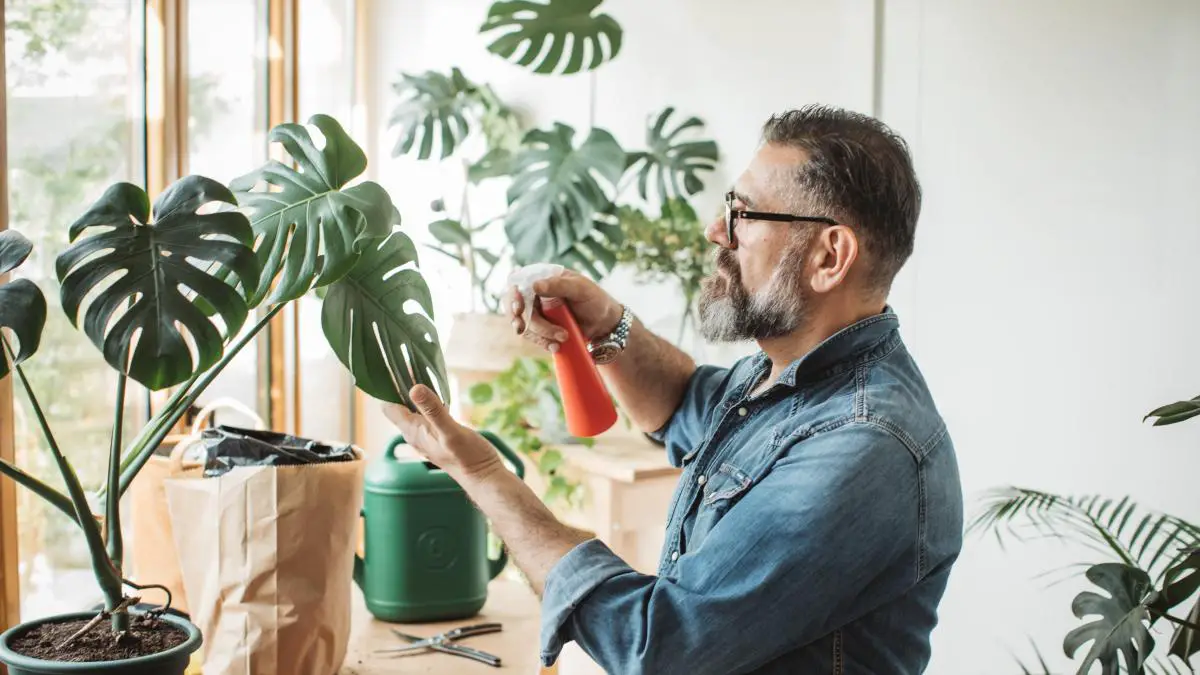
x,y
587,404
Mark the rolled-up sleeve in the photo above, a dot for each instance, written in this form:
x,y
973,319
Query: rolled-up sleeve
x,y
683,431
825,537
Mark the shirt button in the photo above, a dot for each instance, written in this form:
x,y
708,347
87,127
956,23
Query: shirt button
x,y
674,556
742,411
701,480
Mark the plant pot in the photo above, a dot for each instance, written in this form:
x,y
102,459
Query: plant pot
x,y
173,661
480,346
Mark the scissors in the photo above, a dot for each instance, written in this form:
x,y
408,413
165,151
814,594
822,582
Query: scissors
x,y
444,642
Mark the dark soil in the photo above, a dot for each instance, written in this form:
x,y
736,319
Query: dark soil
x,y
146,636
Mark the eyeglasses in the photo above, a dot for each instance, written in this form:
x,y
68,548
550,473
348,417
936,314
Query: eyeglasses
x,y
732,215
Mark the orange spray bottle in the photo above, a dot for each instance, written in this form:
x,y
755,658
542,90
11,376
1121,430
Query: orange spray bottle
x,y
587,405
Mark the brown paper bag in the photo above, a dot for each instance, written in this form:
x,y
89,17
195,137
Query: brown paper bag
x,y
267,555
152,555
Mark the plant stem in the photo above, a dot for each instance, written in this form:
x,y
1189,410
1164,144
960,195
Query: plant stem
x,y
106,576
1176,620
54,497
112,511
166,418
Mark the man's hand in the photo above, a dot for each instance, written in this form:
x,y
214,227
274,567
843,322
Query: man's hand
x,y
456,449
535,539
595,310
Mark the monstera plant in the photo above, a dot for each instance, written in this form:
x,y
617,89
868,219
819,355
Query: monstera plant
x,y
534,25
164,292
1152,577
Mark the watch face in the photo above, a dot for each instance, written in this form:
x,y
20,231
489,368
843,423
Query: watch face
x,y
605,352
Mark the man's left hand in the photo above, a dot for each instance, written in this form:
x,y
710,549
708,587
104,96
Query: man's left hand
x,y
457,450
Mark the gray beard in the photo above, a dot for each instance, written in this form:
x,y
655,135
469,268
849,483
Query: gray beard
x,y
728,313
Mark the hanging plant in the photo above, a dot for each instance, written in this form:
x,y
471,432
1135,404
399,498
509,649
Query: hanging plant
x,y
595,39
673,164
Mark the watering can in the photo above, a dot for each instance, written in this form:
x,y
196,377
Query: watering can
x,y
425,554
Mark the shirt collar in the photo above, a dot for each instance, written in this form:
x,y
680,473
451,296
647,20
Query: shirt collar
x,y
838,351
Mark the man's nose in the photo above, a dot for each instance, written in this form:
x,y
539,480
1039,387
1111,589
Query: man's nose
x,y
718,233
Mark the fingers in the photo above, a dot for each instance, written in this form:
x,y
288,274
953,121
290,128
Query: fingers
x,y
407,422
517,309
543,333
431,408
571,286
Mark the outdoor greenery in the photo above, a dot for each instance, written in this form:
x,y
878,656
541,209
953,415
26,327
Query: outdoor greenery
x,y
1150,569
163,292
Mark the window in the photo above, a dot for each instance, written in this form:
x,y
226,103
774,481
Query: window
x,y
227,124
74,107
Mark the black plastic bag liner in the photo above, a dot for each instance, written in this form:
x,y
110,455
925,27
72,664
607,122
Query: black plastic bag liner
x,y
228,447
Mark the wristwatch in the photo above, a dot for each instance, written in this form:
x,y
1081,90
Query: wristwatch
x,y
606,349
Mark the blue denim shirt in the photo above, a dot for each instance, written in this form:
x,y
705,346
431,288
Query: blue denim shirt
x,y
812,531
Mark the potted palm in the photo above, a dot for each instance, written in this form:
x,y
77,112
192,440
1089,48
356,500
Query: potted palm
x,y
165,292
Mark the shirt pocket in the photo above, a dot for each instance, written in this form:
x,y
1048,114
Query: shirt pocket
x,y
724,486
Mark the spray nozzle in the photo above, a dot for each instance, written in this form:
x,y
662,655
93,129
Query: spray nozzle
x,y
525,277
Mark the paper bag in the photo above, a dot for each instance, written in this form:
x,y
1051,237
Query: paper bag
x,y
267,554
151,548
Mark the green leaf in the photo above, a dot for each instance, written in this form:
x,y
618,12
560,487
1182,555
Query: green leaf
x,y
481,393
673,164
1175,412
1121,627
1121,528
449,231
387,348
312,230
549,461
22,305
1181,582
154,277
557,190
495,163
433,106
534,24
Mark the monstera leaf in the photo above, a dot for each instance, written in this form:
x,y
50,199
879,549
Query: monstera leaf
x,y
673,163
154,276
433,106
386,348
596,254
555,191
1179,584
1121,627
534,24
22,305
312,229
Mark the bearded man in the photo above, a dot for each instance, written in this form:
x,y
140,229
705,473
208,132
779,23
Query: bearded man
x,y
819,511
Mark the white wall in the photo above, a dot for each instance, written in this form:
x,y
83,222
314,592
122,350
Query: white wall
x,y
1048,299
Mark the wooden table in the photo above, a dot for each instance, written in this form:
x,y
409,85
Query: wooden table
x,y
510,602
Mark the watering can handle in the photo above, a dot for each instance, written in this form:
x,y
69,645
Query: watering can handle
x,y
513,459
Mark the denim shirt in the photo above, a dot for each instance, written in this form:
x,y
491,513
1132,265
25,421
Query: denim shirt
x,y
812,531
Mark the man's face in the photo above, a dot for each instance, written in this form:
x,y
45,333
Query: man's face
x,y
759,289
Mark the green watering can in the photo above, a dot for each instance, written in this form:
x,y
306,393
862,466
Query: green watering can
x,y
425,555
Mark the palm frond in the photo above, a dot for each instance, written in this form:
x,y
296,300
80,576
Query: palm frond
x,y
1120,528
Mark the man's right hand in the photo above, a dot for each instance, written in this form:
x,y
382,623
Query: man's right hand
x,y
597,312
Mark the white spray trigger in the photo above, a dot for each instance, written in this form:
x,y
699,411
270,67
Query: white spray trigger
x,y
524,278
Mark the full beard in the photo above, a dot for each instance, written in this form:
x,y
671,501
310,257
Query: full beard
x,y
730,313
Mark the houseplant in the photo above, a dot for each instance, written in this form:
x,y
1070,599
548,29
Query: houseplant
x,y
164,292
1149,578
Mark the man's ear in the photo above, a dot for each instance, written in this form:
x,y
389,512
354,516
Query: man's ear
x,y
834,250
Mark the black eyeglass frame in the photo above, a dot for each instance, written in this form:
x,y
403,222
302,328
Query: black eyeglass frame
x,y
732,215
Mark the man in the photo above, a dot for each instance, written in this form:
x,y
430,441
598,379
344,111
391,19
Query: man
x,y
819,509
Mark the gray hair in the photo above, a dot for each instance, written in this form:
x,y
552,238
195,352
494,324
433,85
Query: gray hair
x,y
859,172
